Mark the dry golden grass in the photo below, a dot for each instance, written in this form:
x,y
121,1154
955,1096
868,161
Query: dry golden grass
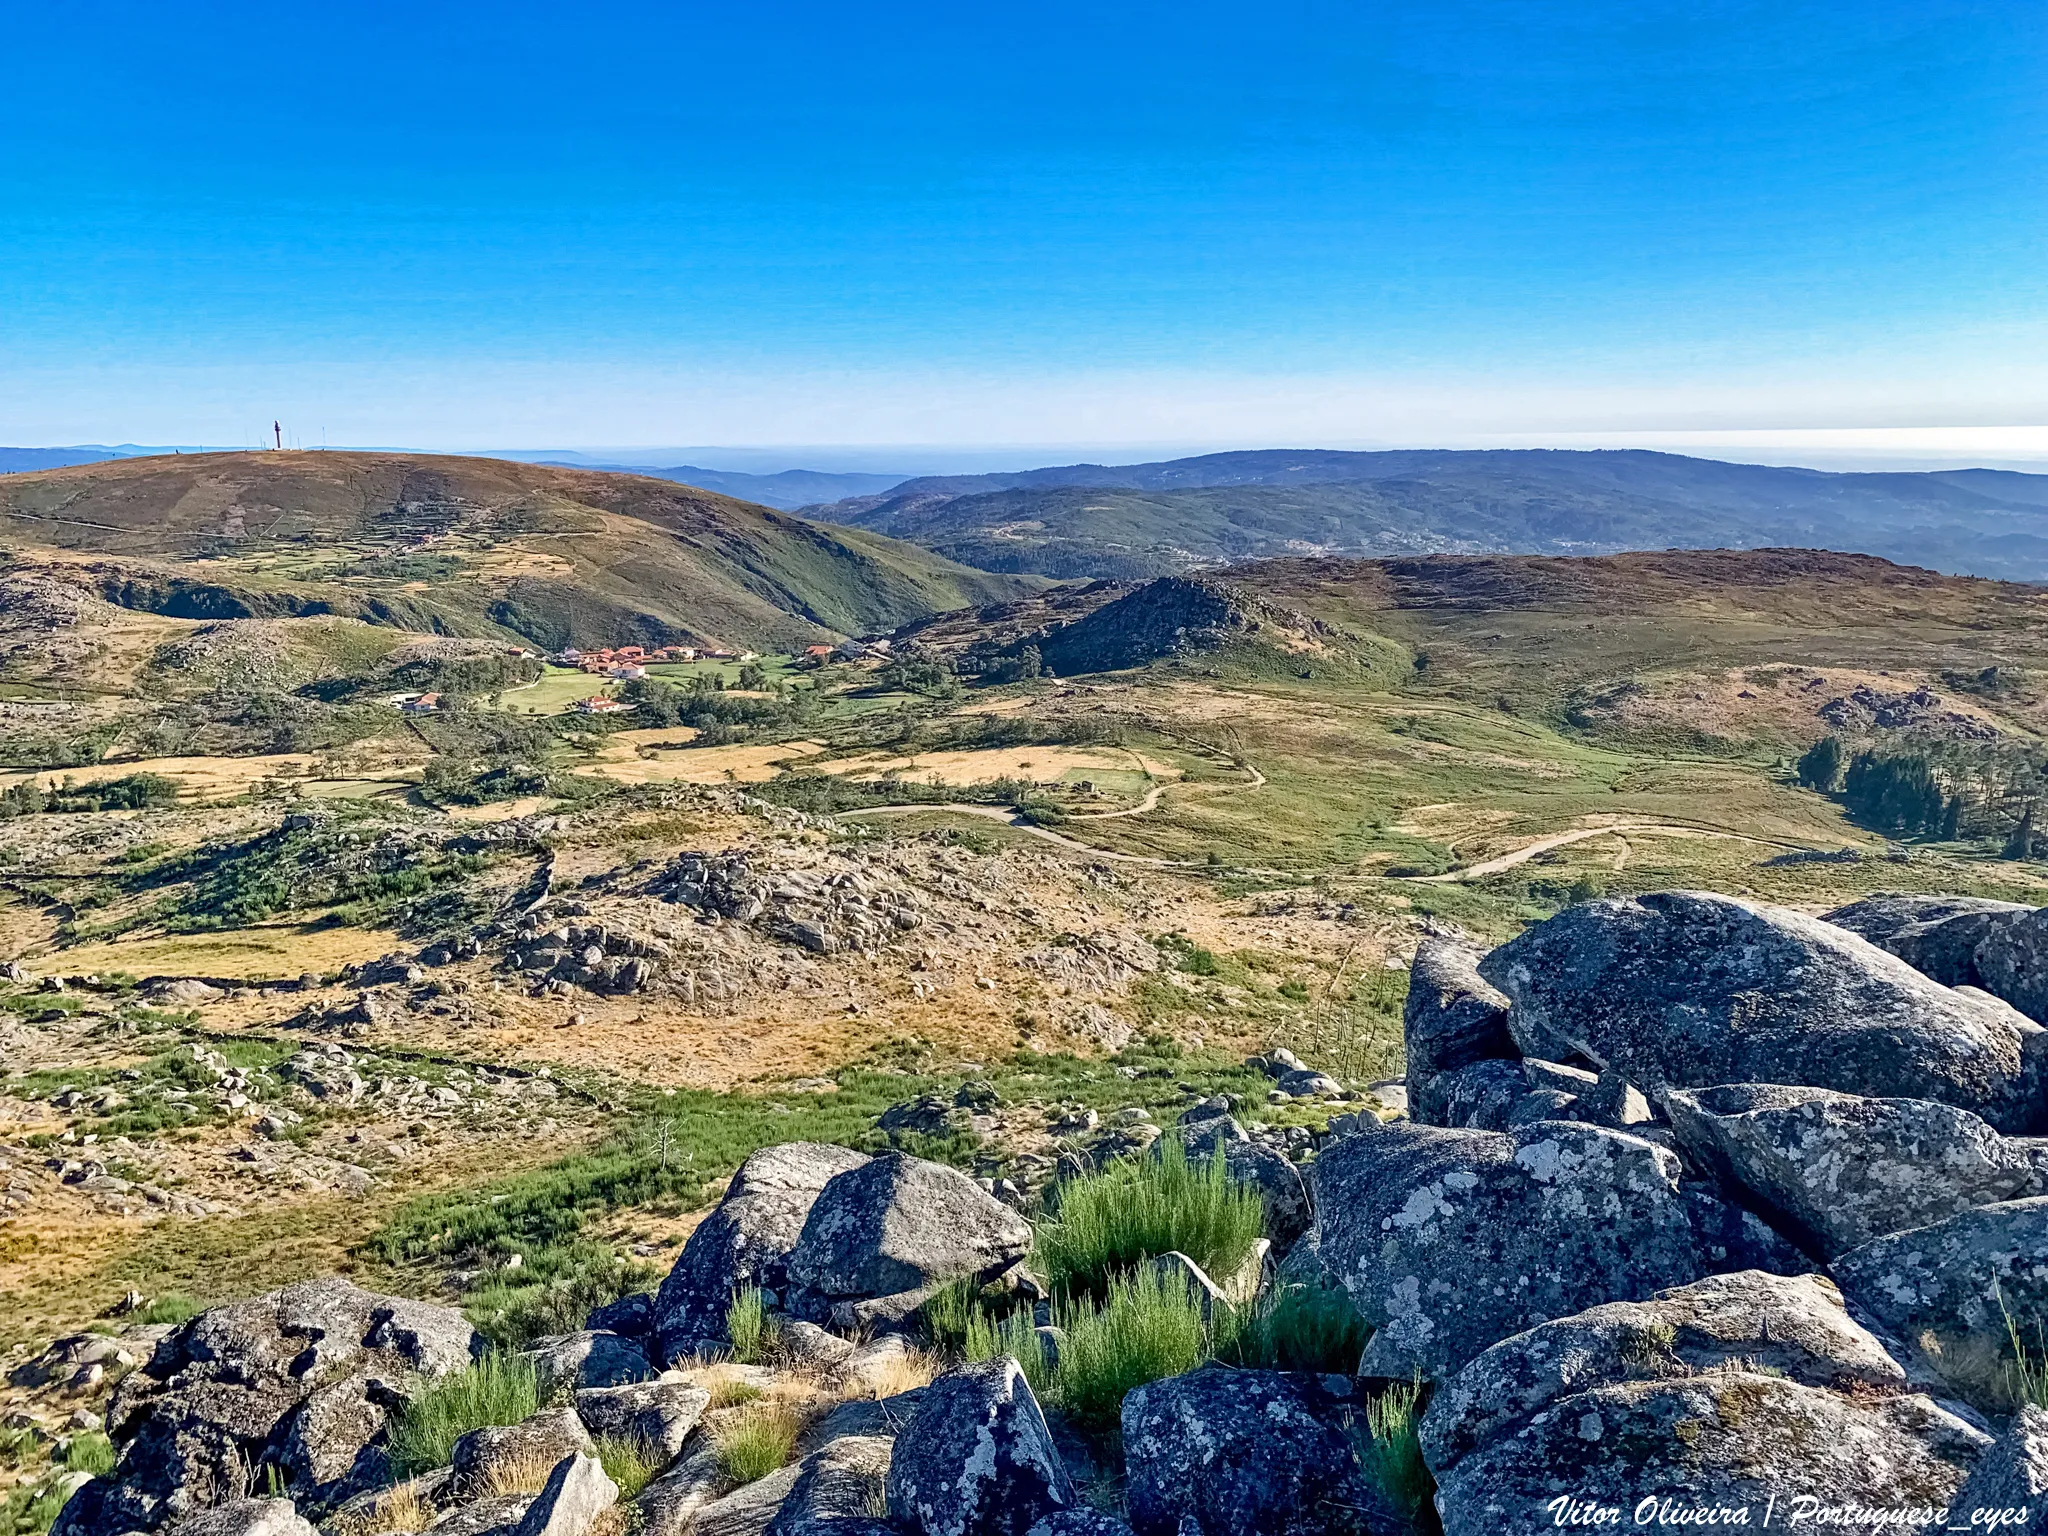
x,y
527,1473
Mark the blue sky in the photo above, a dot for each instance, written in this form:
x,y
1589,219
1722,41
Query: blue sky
x,y
1112,223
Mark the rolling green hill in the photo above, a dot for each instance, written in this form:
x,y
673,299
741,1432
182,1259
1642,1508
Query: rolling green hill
x,y
473,546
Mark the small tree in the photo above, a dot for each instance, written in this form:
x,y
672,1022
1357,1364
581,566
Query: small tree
x,y
1820,767
2021,844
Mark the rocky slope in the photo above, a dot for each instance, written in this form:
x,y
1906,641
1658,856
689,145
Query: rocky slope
x,y
1700,1208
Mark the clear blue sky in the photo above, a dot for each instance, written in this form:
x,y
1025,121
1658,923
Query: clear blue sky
x,y
522,225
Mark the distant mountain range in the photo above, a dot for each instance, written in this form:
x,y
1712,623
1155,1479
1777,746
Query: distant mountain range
x,y
787,491
1141,520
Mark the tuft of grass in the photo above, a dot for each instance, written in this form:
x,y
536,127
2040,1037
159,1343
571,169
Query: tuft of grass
x,y
92,1453
1148,1327
759,1441
2026,1374
498,1389
1016,1336
629,1461
747,1323
727,1393
526,1473
176,1307
1111,1221
1392,1457
1298,1327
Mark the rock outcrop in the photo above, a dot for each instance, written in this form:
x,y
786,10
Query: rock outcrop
x,y
1687,989
1449,1241
745,1242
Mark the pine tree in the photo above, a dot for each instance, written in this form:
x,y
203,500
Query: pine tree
x,y
2021,844
1820,767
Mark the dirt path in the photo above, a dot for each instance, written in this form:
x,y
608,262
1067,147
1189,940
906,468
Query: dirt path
x,y
1542,845
1009,816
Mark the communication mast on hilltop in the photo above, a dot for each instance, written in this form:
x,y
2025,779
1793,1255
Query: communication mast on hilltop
x,y
278,432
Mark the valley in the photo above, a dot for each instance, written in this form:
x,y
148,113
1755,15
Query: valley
x,y
483,1002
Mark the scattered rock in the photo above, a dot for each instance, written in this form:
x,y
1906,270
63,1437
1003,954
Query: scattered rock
x,y
1451,1020
2011,1476
588,1359
897,1224
484,1456
246,1517
1936,935
577,1492
658,1414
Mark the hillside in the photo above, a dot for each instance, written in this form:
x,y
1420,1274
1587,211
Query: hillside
x,y
472,546
1148,519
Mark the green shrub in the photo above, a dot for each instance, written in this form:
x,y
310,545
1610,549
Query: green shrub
x,y
1167,1202
758,1442
498,1389
31,1509
630,1462
176,1307
747,1323
93,1453
1393,1456
1303,1327
1016,1336
1149,1326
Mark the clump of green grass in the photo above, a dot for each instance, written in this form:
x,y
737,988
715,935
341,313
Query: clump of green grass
x,y
750,1327
2026,1374
629,1462
1149,1327
1392,1457
758,1442
1303,1327
1111,1221
987,1338
498,1389
174,1307
90,1453
31,1509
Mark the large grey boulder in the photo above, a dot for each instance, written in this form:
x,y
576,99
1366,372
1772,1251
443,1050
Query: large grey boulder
x,y
658,1414
747,1511
246,1517
2012,963
485,1459
1728,1239
1481,1097
1231,1450
668,1505
976,1458
1723,1394
1688,989
331,1447
1840,1170
745,1242
1448,1241
897,1224
1451,1020
575,1494
1936,935
2012,1476
588,1359
221,1394
836,1491
1949,1288
1794,1327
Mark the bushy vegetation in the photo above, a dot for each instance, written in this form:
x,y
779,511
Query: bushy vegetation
x,y
758,1441
719,717
630,1463
497,1389
1149,1326
1301,1326
749,1326
1392,1455
134,792
176,1307
1111,1221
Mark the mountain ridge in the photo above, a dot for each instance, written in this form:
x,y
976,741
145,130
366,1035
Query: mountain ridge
x,y
1133,521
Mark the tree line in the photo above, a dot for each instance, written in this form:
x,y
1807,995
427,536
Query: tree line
x,y
1946,790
